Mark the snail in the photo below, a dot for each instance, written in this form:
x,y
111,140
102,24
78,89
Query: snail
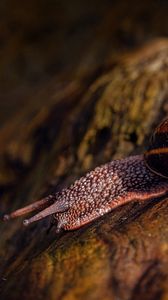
x,y
139,177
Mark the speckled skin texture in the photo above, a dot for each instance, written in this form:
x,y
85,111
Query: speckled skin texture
x,y
98,192
107,187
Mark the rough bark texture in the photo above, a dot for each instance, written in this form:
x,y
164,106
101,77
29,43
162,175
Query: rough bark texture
x,y
67,127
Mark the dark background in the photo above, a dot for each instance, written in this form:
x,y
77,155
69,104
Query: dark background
x,y
77,90
42,40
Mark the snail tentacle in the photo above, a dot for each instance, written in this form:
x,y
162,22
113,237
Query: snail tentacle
x,y
139,177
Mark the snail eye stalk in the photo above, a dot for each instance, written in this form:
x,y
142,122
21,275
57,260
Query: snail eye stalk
x,y
40,204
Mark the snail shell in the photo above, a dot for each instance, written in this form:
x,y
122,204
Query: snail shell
x,y
156,156
139,177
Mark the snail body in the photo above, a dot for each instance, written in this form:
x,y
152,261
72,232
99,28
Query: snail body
x,y
138,177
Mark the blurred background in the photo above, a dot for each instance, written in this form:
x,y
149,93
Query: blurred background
x,y
62,40
77,90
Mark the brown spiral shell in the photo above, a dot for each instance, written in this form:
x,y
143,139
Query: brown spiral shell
x,y
107,187
156,156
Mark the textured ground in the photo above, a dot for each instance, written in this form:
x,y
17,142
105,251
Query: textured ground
x,y
77,88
